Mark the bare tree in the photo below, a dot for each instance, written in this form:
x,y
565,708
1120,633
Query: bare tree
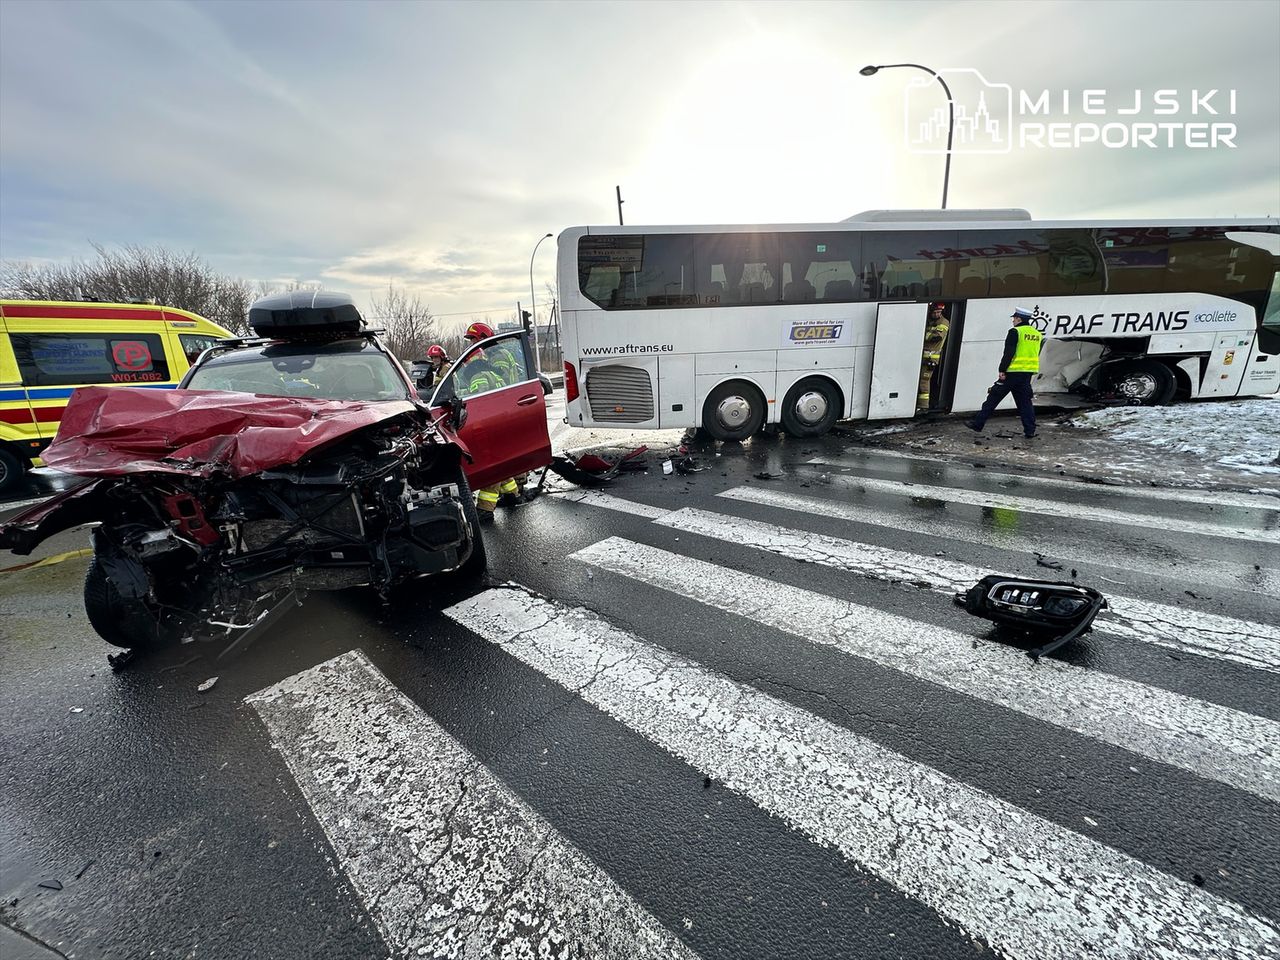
x,y
131,274
410,327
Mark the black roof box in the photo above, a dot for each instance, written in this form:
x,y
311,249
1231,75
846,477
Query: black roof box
x,y
305,314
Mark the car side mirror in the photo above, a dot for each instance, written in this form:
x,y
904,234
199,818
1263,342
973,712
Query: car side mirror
x,y
457,412
547,388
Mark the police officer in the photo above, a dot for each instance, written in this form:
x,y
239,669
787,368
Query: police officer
x,y
486,370
1020,362
935,337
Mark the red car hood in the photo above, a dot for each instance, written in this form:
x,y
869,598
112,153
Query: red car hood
x,y
109,431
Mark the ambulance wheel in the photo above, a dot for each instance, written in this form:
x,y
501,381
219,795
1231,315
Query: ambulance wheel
x,y
733,411
10,470
811,407
1144,383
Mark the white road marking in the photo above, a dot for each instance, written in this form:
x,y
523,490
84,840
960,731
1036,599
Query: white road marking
x,y
1209,740
1206,634
598,498
448,861
1235,575
1035,505
1030,888
1254,501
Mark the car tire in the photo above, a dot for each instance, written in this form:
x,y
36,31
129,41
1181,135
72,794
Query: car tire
x,y
811,408
120,622
1145,383
733,411
11,470
475,565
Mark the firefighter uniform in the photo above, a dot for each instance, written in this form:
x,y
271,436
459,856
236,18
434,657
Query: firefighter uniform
x,y
488,370
935,337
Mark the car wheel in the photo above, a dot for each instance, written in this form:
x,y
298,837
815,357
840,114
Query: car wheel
x,y
474,566
10,470
811,407
733,411
1142,382
119,621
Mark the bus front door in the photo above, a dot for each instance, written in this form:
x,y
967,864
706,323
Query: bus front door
x,y
895,361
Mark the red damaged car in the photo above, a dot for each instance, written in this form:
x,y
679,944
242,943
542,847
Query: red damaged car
x,y
301,460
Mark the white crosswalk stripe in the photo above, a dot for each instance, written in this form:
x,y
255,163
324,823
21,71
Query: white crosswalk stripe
x,y
448,862
1207,739
1031,888
1241,576
1217,498
1046,507
1223,638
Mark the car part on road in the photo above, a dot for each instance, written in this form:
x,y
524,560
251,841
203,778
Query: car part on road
x,y
1063,611
590,470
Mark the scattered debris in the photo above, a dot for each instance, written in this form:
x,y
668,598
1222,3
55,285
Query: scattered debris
x,y
1043,561
766,475
207,685
590,470
667,468
77,709
83,870
50,884
687,465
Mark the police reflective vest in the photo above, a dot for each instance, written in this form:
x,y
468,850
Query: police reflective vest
x,y
1026,356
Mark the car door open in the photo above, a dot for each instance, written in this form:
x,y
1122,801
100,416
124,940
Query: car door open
x,y
506,424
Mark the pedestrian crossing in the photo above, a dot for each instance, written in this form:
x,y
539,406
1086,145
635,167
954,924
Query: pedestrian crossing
x,y
450,861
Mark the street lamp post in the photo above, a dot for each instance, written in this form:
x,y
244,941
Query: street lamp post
x,y
533,302
870,71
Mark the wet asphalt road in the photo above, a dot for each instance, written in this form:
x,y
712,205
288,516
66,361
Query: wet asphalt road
x,y
159,821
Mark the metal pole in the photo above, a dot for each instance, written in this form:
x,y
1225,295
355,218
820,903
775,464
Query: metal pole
x,y
951,113
533,304
618,191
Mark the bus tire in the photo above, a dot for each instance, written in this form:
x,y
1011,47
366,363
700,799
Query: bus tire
x,y
1146,383
811,408
733,411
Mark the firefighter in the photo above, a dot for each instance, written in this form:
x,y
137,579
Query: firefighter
x,y
489,370
935,337
439,361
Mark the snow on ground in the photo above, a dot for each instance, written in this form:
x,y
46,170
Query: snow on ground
x,y
1241,435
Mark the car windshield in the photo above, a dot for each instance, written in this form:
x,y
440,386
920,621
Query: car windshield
x,y
345,370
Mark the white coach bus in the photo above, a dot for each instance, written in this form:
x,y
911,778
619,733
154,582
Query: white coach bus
x,y
731,328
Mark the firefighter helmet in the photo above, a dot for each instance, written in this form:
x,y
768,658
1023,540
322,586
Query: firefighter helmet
x,y
479,331
436,352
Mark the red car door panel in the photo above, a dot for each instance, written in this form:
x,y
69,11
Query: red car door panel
x,y
506,426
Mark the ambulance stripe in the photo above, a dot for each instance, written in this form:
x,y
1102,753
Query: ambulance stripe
x,y
447,860
1035,505
1209,635
1211,741
1237,575
1028,887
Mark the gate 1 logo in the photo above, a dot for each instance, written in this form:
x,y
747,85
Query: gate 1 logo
x,y
133,356
1040,319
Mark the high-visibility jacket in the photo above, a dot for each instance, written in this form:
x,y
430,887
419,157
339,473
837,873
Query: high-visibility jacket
x,y
1026,354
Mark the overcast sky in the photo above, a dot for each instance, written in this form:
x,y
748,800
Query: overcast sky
x,y
432,144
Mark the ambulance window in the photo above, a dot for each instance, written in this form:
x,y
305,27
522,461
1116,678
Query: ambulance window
x,y
194,344
64,359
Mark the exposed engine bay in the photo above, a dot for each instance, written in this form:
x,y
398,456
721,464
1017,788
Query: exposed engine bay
x,y
206,546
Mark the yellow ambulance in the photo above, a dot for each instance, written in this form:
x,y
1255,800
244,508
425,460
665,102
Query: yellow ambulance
x,y
48,348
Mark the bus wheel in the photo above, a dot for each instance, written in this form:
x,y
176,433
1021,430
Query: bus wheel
x,y
1142,382
733,411
811,407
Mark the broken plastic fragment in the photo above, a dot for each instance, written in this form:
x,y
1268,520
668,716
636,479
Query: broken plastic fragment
x,y
207,685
